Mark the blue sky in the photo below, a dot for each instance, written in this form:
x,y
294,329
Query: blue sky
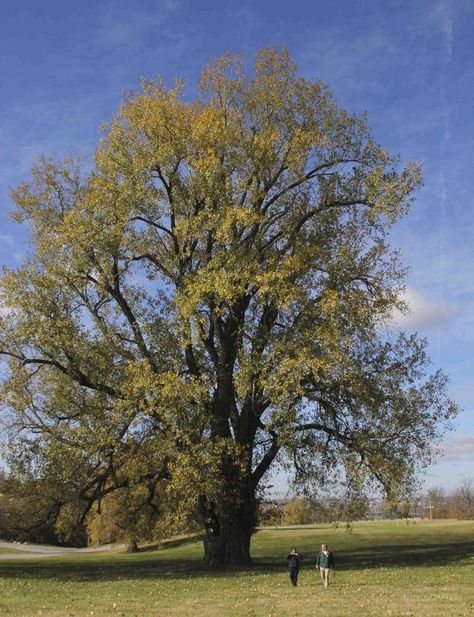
x,y
410,64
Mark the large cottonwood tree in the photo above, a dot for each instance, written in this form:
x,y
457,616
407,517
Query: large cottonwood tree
x,y
211,299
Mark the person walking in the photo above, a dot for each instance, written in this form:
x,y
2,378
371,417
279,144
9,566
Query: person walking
x,y
294,562
324,563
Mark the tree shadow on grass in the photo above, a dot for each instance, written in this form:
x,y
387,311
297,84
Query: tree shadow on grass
x,y
173,543
395,555
157,566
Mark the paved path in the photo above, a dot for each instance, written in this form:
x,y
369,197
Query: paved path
x,y
35,551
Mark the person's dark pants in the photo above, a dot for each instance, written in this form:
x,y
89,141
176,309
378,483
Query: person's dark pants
x,y
294,576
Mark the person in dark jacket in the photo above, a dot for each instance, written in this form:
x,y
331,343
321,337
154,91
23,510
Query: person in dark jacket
x,y
325,563
294,562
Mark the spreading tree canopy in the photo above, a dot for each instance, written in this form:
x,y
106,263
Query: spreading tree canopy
x,y
210,300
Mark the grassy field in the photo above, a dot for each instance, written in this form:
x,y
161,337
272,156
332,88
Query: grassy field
x,y
422,570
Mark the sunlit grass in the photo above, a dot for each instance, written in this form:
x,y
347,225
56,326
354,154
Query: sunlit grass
x,y
385,568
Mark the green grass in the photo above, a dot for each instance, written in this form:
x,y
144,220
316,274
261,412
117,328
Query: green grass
x,y
422,570
9,551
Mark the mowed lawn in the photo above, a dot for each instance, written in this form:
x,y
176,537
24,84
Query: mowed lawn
x,y
388,568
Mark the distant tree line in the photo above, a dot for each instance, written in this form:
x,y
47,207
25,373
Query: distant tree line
x,y
436,503
457,504
304,511
125,516
128,515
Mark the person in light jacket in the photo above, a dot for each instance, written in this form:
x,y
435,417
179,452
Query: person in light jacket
x,y
324,563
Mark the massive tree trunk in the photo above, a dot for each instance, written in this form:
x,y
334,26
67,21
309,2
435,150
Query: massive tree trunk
x,y
228,528
132,545
231,547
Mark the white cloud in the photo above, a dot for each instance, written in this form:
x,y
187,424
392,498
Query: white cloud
x,y
7,239
128,27
459,447
443,12
19,256
423,311
441,263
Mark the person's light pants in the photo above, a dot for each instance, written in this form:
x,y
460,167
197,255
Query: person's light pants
x,y
324,572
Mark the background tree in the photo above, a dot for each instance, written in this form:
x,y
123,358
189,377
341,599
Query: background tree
x,y
270,514
129,514
210,299
101,525
356,507
303,511
404,510
296,512
437,503
318,511
29,513
463,500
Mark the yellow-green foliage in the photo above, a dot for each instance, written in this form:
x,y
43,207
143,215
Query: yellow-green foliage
x,y
210,296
